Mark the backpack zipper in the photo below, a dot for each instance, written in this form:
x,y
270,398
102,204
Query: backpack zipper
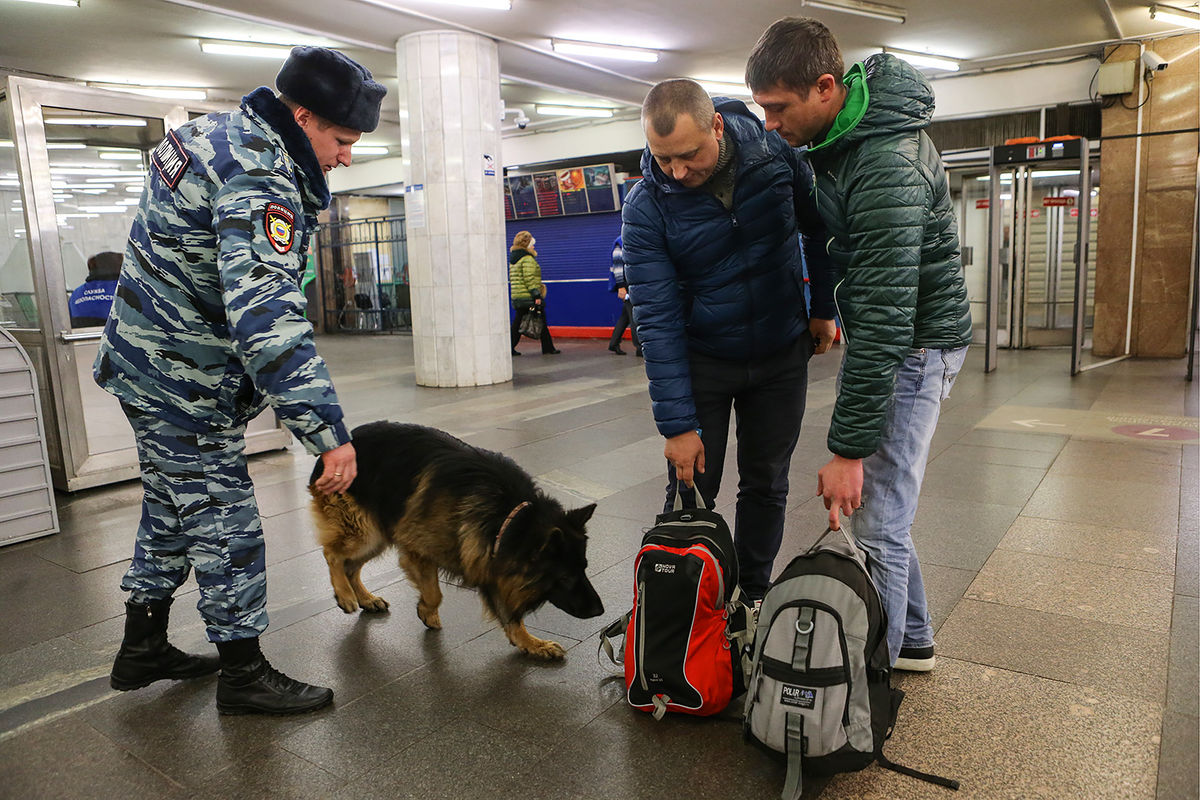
x,y
641,636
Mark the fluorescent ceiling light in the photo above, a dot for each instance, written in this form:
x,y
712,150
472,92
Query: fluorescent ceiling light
x,y
6,143
133,189
106,174
1177,16
721,87
494,5
599,50
77,216
861,8
273,51
121,155
924,59
9,183
164,92
1006,177
126,122
368,150
68,3
104,209
573,111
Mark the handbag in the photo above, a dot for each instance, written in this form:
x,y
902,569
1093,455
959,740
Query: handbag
x,y
533,324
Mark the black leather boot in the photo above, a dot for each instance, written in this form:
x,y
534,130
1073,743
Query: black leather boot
x,y
146,656
250,685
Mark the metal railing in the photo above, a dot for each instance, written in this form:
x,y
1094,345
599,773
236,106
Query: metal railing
x,y
363,266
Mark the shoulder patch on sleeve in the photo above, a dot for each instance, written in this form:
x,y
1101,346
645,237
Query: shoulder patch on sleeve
x,y
280,224
170,160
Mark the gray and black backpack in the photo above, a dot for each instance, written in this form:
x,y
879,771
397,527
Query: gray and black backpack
x,y
819,693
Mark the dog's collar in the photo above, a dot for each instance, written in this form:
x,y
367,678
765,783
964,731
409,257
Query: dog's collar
x,y
504,525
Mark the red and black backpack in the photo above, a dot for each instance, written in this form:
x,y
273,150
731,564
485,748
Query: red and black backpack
x,y
685,637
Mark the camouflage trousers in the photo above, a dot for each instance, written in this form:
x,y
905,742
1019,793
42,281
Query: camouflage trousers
x,y
199,512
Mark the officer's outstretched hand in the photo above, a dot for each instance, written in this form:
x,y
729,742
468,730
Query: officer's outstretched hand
x,y
340,469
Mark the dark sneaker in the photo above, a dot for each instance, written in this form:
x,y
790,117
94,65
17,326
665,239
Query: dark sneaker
x,y
915,659
515,353
617,351
551,352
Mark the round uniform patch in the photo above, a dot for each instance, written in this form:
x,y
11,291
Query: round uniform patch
x,y
281,226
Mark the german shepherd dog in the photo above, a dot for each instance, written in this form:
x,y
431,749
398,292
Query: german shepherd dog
x,y
456,509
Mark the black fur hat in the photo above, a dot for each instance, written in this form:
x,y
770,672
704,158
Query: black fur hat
x,y
332,85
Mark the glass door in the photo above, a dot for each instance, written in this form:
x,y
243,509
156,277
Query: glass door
x,y
81,156
1053,213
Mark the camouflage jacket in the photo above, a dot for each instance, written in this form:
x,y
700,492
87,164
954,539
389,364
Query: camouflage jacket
x,y
208,324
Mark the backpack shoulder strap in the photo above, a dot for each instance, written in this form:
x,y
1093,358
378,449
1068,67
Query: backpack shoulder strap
x,y
793,784
615,628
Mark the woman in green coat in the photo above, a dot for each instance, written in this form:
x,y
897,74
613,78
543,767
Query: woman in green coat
x,y
527,290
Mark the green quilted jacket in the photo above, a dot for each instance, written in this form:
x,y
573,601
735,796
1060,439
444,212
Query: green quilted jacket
x,y
882,192
524,278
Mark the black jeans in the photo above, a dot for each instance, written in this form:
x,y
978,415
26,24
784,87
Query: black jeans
x,y
522,309
625,321
767,397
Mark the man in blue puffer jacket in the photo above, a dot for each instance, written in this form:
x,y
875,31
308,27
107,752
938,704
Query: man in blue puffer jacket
x,y
713,261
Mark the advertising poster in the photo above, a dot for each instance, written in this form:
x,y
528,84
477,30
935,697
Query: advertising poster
x,y
508,201
574,198
549,202
525,201
599,183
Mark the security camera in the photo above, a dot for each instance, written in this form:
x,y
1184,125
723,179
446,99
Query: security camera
x,y
521,120
1154,62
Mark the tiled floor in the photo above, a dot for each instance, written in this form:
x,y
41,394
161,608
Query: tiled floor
x,y
1061,563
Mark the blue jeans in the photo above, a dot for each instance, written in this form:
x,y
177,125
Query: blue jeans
x,y
891,485
767,397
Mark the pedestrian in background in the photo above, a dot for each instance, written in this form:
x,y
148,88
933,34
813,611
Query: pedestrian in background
x,y
617,283
527,290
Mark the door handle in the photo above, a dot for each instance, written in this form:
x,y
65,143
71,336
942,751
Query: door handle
x,y
83,336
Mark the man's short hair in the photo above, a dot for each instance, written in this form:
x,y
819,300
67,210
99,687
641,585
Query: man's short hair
x,y
793,53
668,99
322,123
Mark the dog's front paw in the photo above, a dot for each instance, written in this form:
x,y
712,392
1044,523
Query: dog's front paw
x,y
545,650
375,604
347,604
429,616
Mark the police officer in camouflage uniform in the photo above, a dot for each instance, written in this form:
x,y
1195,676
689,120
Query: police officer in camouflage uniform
x,y
206,331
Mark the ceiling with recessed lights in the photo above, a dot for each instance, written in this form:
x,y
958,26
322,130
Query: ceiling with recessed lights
x,y
158,41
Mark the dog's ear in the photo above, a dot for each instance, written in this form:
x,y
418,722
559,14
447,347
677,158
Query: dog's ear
x,y
578,517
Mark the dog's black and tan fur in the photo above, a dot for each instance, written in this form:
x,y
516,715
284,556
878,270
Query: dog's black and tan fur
x,y
442,504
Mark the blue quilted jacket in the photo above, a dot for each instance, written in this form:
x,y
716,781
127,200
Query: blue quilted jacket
x,y
723,283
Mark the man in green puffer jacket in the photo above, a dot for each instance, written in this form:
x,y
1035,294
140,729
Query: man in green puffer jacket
x,y
882,192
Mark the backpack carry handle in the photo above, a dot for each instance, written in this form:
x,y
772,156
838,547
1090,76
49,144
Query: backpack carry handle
x,y
679,487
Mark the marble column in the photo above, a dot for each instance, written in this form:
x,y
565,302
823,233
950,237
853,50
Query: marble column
x,y
454,208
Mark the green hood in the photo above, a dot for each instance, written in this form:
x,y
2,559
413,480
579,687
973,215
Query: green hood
x,y
883,95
